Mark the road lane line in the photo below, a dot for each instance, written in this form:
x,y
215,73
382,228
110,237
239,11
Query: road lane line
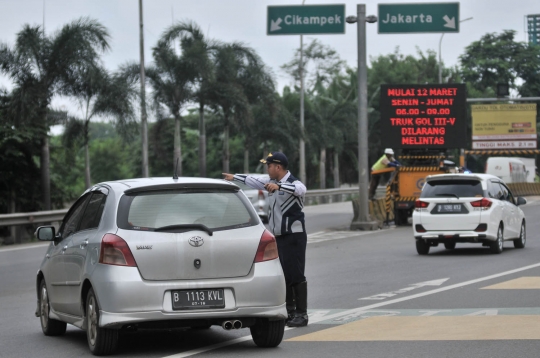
x,y
25,247
359,310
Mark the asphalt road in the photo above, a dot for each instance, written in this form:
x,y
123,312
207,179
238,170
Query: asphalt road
x,y
370,295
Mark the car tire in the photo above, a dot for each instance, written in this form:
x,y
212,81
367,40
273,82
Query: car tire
x,y
422,247
521,241
266,333
496,246
49,326
101,341
449,245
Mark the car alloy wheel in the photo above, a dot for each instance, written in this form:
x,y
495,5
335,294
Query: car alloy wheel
x,y
92,320
44,307
49,326
101,341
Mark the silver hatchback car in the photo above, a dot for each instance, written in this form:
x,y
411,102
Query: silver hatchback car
x,y
188,252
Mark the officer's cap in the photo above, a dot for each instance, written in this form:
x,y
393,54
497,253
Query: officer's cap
x,y
277,158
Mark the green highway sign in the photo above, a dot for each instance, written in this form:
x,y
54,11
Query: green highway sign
x,y
418,18
305,19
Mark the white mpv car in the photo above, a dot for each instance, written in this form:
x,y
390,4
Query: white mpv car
x,y
474,208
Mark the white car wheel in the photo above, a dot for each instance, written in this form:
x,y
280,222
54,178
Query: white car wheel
x,y
520,242
497,246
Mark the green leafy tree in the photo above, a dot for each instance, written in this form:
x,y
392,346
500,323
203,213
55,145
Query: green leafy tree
x,y
499,58
41,66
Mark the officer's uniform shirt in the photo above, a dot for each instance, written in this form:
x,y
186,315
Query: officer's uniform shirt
x,y
286,204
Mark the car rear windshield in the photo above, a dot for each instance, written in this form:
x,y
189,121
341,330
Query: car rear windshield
x,y
217,210
452,188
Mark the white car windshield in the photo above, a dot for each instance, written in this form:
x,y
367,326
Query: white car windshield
x,y
452,188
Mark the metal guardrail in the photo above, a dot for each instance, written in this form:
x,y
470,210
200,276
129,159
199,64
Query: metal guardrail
x,y
318,196
35,217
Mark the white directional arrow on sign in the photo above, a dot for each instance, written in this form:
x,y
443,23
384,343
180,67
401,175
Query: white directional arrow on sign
x,y
382,296
450,22
274,25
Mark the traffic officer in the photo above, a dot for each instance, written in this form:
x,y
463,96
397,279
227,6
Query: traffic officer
x,y
387,160
286,220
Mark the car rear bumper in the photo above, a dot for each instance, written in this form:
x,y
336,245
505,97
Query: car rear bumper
x,y
464,236
117,320
125,298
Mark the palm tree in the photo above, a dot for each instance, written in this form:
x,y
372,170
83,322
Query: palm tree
x,y
171,78
100,94
331,111
41,66
241,79
197,52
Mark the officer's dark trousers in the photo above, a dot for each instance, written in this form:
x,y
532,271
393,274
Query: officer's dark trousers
x,y
292,254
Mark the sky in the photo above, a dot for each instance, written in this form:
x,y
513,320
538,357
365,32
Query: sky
x,y
245,21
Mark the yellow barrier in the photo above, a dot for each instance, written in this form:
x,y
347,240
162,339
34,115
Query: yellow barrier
x,y
524,189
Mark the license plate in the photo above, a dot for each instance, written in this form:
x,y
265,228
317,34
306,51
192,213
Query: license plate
x,y
198,299
449,209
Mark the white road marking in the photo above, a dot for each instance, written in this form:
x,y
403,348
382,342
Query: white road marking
x,y
24,247
335,235
382,296
358,311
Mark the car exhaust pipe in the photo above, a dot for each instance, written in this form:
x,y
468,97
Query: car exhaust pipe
x,y
237,324
227,325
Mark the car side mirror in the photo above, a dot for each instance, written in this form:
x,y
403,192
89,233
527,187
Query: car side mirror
x,y
45,233
521,201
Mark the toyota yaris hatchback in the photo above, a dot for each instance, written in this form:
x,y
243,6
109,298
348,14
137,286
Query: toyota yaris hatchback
x,y
474,208
161,252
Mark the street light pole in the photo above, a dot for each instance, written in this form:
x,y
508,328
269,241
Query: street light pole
x,y
440,42
144,123
302,148
364,221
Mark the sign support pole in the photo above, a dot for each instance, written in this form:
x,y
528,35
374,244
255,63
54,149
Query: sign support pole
x,y
364,221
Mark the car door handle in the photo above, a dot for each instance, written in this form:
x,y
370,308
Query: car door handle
x,y
84,244
64,249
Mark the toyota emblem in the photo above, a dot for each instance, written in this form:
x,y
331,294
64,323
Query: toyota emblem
x,y
196,241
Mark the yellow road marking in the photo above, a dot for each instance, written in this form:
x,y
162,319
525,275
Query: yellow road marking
x,y
522,283
431,329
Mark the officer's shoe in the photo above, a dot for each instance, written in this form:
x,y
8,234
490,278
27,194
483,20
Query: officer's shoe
x,y
298,321
290,317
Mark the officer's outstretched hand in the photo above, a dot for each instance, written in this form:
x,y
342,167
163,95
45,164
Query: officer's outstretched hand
x,y
228,176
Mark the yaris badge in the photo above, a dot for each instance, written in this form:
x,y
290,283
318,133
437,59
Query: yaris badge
x,y
196,241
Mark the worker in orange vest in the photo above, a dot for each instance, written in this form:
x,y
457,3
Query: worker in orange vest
x,y
387,160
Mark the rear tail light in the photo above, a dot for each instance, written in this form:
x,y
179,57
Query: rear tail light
x,y
115,251
261,195
267,249
419,228
419,204
483,203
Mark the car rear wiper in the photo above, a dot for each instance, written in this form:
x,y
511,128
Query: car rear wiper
x,y
186,226
447,194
